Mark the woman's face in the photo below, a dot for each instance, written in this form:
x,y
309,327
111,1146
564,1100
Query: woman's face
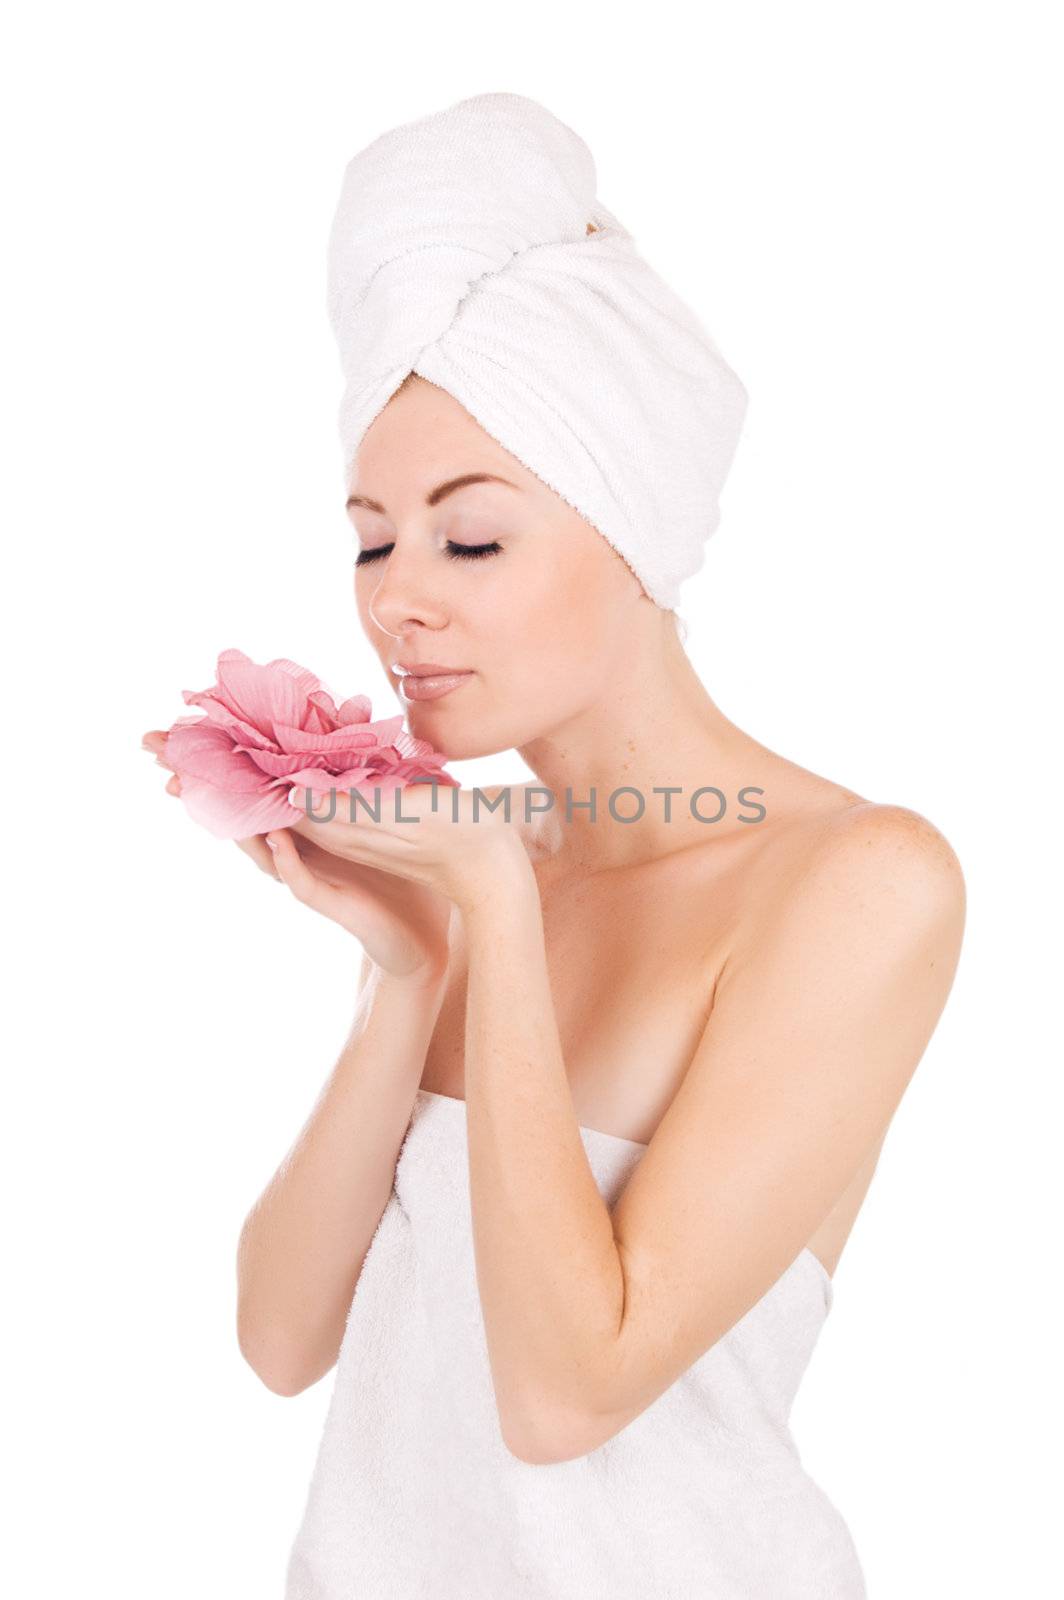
x,y
544,620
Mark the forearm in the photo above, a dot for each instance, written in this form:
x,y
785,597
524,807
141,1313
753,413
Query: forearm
x,y
304,1242
548,1270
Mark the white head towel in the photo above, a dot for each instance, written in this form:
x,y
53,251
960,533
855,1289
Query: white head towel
x,y
469,247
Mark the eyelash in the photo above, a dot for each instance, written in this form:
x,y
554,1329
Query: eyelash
x,y
456,552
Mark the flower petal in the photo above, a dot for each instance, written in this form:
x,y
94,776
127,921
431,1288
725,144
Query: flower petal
x,y
358,736
219,713
263,696
202,752
357,709
237,816
264,730
280,764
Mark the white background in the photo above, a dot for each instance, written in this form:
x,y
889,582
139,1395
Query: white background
x,y
863,205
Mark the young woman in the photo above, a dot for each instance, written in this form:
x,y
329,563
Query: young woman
x,y
566,1213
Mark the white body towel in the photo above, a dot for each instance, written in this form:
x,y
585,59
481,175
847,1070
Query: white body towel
x,y
415,1497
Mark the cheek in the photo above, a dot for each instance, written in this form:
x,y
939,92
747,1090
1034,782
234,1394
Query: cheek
x,y
558,640
575,601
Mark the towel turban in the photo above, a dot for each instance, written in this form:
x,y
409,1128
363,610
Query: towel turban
x,y
469,247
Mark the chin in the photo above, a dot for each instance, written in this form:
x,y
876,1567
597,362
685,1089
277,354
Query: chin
x,y
457,738
458,746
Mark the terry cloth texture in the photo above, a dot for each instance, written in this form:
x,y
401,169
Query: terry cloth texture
x,y
414,1496
470,247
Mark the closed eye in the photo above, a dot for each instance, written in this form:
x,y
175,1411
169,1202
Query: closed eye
x,y
456,552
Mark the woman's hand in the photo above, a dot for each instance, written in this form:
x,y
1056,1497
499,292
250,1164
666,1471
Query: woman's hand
x,y
441,838
403,927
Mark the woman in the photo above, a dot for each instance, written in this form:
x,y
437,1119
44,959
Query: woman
x,y
567,1211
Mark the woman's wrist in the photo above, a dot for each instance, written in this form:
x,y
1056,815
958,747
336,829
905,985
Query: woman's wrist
x,y
428,983
502,889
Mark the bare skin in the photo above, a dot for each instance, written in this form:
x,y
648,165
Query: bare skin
x,y
607,938
654,936
633,963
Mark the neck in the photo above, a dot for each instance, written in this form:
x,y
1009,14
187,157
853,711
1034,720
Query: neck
x,y
658,728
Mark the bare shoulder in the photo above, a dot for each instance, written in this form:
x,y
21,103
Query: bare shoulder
x,y
875,889
853,869
891,849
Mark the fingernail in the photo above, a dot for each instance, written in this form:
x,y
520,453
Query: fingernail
x,y
271,842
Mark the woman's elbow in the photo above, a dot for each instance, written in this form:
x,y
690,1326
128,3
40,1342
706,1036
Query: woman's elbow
x,y
540,1443
277,1369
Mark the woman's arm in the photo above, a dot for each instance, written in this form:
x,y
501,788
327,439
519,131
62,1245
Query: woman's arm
x,y
304,1242
817,1026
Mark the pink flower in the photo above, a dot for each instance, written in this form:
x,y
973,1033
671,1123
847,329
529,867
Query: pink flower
x,y
268,729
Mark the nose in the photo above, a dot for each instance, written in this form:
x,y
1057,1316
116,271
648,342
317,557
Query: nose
x,y
406,597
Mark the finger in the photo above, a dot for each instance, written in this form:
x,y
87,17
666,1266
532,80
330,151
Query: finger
x,y
155,744
257,849
154,741
369,842
174,785
304,884
324,808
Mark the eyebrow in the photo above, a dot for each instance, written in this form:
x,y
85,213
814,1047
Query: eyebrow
x,y
434,496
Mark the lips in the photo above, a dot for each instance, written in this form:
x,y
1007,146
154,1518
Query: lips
x,y
428,669
425,685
